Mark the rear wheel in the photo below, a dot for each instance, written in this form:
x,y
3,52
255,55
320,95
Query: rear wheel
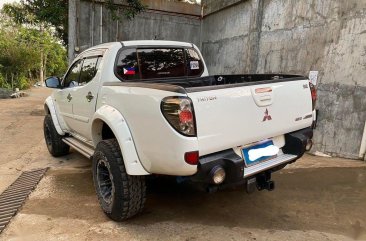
x,y
120,195
54,142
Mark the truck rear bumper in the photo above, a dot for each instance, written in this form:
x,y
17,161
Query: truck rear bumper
x,y
234,167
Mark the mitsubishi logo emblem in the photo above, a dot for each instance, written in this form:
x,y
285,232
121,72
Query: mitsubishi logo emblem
x,y
267,116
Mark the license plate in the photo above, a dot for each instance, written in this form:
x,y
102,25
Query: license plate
x,y
259,152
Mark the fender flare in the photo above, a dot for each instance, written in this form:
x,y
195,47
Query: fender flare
x,y
117,123
49,107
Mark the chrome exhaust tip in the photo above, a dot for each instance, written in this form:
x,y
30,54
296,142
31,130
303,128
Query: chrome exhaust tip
x,y
218,175
309,145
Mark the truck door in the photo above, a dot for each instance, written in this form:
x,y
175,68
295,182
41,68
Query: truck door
x,y
64,98
85,96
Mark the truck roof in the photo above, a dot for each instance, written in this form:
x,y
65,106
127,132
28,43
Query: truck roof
x,y
155,43
144,43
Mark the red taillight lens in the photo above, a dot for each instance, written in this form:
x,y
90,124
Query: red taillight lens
x,y
178,111
313,94
191,158
185,116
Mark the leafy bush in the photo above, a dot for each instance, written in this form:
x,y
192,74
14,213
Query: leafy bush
x,y
3,83
23,82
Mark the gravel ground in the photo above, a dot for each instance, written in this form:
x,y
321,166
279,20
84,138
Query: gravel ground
x,y
315,198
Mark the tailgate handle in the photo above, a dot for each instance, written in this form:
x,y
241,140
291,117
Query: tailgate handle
x,y
265,98
263,90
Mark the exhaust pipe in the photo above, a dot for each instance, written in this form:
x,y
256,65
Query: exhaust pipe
x,y
309,145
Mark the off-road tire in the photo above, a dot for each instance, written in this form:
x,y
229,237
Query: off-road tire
x,y
54,142
128,193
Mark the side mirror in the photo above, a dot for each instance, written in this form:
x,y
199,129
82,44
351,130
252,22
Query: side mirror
x,y
53,82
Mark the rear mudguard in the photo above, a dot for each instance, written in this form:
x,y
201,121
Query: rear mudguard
x,y
117,123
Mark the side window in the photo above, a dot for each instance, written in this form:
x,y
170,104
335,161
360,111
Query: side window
x,y
88,71
194,63
161,63
127,65
72,77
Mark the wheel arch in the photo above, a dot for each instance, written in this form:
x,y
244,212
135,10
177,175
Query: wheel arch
x,y
109,123
49,108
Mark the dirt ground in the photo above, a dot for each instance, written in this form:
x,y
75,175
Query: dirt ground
x,y
315,198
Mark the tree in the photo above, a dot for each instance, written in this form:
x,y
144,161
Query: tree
x,y
24,51
56,64
54,13
36,27
133,8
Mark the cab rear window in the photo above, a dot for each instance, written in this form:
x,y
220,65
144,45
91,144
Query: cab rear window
x,y
157,63
161,63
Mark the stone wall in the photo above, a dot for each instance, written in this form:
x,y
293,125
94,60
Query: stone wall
x,y
287,36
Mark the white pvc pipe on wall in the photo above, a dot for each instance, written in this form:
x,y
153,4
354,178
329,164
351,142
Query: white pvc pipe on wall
x,y
363,144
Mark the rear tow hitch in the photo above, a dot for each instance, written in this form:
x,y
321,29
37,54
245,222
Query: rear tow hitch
x,y
264,182
261,182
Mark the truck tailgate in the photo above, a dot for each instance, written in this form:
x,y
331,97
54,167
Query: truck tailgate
x,y
228,117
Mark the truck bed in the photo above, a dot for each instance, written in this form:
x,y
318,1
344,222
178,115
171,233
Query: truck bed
x,y
226,81
234,110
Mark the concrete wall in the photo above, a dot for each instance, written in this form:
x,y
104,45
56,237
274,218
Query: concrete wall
x,y
259,36
295,37
230,37
91,24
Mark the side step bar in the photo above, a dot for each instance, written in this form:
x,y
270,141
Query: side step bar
x,y
80,146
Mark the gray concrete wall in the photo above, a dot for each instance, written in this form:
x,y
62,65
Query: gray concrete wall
x,y
230,37
92,24
260,36
289,36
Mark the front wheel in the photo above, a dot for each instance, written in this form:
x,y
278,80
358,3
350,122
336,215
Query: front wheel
x,y
120,195
54,142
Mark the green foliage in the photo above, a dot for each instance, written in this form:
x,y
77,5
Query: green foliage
x,y
27,52
31,34
54,13
16,12
23,82
57,60
3,83
133,8
48,13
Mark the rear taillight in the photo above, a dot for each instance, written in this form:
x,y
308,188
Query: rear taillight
x,y
313,94
178,111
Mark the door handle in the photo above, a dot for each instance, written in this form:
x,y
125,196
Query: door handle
x,y
263,90
69,97
89,96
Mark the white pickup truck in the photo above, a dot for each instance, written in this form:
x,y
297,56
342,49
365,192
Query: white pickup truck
x,y
140,108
